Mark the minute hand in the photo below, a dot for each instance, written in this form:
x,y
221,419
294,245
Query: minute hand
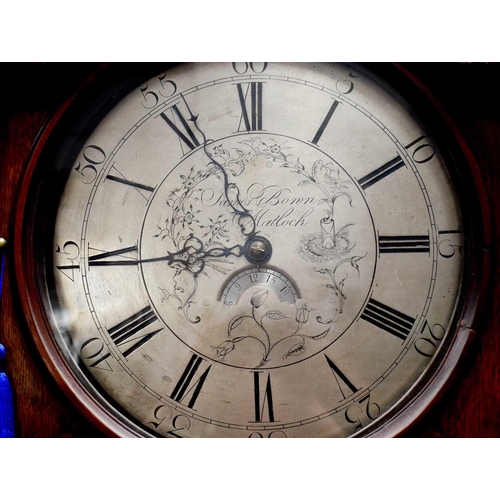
x,y
245,218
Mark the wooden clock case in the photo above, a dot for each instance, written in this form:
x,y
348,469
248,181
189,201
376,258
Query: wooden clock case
x,y
469,408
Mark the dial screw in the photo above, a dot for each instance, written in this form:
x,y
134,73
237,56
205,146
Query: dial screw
x,y
258,250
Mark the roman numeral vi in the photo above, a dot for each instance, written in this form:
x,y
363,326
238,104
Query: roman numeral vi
x,y
261,402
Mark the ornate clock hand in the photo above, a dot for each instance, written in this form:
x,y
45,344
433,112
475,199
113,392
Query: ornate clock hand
x,y
191,257
257,249
245,218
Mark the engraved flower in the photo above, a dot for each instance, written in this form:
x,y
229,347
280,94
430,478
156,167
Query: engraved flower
x,y
258,298
302,314
188,182
220,152
223,349
217,229
188,216
332,178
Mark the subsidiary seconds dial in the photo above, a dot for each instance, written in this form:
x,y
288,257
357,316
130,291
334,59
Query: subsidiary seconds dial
x,y
256,249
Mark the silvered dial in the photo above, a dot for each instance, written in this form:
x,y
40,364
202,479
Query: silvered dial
x,y
259,277
265,250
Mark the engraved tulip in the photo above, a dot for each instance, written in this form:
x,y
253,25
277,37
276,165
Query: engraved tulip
x,y
225,348
258,298
302,314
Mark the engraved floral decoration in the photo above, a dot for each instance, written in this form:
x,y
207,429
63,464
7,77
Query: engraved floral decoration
x,y
330,242
338,286
194,254
262,334
199,239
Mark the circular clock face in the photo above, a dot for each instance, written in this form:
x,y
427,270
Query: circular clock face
x,y
254,250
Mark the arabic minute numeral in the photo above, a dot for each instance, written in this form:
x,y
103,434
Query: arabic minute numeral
x,y
92,349
94,156
161,413
346,86
122,334
447,249
179,422
273,434
423,153
71,251
242,68
151,98
356,413
427,346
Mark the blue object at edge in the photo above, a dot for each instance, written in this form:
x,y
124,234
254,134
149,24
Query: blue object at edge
x,y
6,400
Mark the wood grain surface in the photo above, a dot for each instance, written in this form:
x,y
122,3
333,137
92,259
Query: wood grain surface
x,y
32,92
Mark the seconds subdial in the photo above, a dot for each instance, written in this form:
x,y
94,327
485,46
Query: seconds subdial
x,y
281,284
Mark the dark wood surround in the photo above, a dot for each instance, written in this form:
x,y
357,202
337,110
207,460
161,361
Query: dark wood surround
x,y
36,93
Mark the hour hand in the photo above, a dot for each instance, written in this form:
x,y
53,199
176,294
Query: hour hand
x,y
192,257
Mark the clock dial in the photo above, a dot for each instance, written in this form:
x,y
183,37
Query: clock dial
x,y
256,250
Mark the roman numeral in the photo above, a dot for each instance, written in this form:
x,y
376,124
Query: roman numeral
x,y
137,185
404,244
451,231
394,322
185,386
191,142
345,385
122,333
100,259
327,119
141,188
252,120
69,271
381,172
266,401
